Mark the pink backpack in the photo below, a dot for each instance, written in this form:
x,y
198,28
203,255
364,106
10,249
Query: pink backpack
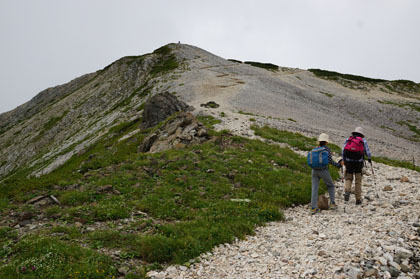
x,y
355,147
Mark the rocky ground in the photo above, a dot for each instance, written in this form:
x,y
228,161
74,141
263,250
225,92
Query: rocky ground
x,y
296,100
379,239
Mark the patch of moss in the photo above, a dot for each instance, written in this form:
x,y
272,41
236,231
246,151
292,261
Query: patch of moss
x,y
399,86
246,113
267,66
413,129
293,139
410,105
327,94
335,75
397,163
164,50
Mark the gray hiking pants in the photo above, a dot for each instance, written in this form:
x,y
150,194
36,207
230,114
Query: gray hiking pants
x,y
316,176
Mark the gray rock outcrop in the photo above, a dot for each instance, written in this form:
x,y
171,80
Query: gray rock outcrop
x,y
181,131
160,107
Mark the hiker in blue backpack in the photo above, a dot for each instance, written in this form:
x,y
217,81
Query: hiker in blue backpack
x,y
318,160
354,150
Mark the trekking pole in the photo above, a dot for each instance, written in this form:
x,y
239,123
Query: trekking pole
x,y
374,180
344,186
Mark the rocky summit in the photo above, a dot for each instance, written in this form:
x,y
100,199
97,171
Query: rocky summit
x,y
183,164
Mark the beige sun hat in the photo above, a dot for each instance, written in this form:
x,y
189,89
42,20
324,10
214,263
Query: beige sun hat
x,y
359,130
323,137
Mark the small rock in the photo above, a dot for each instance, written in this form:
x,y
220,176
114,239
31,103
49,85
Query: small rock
x,y
388,257
55,200
387,275
32,227
371,272
404,179
311,271
26,216
322,253
171,269
155,275
403,253
382,261
78,224
353,272
25,222
387,188
34,200
202,132
123,270
405,268
384,268
394,272
395,265
80,220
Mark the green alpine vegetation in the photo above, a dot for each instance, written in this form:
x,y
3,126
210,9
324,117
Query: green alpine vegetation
x,y
400,86
156,209
335,75
293,139
267,66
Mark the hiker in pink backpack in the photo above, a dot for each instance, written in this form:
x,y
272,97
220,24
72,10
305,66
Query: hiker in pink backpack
x,y
354,150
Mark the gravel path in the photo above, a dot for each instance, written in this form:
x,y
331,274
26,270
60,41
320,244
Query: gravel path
x,y
379,239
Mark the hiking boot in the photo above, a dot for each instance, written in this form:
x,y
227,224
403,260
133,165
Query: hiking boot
x,y
315,211
333,206
346,196
358,202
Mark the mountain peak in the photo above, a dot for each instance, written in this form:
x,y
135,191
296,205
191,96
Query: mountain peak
x,y
64,120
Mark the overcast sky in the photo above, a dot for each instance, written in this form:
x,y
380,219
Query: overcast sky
x,y
50,42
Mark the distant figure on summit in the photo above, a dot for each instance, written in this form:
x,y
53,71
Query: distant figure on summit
x,y
354,150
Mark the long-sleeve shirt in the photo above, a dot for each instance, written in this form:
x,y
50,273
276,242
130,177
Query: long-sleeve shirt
x,y
366,151
330,159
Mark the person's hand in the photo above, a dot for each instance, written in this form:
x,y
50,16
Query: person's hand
x,y
341,162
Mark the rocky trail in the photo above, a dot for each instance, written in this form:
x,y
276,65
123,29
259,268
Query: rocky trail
x,y
379,239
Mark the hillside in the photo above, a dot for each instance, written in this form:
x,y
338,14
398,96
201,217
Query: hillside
x,y
64,120
158,158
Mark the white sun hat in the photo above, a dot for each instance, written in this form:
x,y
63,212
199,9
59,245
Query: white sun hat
x,y
359,130
323,137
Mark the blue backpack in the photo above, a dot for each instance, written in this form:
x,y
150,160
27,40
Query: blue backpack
x,y
318,158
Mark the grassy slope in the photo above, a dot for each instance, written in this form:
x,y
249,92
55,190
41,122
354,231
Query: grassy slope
x,y
400,86
184,196
305,143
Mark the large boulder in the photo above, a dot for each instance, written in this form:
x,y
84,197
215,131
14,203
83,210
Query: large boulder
x,y
160,107
180,131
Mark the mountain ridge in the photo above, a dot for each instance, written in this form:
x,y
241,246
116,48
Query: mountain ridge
x,y
55,120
